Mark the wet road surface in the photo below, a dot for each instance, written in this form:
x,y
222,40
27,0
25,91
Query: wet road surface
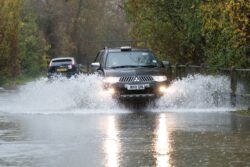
x,y
130,139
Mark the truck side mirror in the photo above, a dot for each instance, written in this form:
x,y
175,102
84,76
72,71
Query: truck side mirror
x,y
166,64
95,65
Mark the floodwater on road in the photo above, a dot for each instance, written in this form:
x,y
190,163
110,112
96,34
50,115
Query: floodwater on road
x,y
72,123
132,139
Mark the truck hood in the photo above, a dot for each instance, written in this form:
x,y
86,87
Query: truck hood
x,y
134,71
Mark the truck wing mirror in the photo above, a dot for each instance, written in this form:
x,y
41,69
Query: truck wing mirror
x,y
96,65
166,63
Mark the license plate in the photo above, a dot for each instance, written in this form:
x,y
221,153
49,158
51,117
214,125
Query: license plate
x,y
61,70
135,87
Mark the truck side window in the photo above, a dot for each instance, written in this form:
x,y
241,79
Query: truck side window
x,y
99,57
96,58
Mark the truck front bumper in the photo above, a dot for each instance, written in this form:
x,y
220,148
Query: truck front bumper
x,y
145,90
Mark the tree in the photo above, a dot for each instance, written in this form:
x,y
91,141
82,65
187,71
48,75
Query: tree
x,y
32,43
226,29
9,37
32,31
213,32
171,27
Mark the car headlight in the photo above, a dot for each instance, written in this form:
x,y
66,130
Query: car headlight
x,y
111,80
160,78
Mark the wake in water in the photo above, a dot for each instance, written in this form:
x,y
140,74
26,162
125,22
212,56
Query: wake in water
x,y
85,95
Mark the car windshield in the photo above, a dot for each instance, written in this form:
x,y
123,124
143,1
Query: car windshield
x,y
131,59
61,62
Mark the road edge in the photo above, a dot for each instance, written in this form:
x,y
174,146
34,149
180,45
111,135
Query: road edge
x,y
245,112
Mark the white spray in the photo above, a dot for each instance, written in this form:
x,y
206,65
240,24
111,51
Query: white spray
x,y
59,95
85,95
197,92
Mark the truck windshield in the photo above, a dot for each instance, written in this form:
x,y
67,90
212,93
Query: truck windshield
x,y
131,59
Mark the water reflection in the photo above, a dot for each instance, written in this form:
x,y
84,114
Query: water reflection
x,y
112,144
162,143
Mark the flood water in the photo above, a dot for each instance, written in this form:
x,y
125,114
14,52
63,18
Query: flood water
x,y
72,123
135,139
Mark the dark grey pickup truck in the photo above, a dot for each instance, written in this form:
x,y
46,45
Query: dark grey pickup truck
x,y
131,73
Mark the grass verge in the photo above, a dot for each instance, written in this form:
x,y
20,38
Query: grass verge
x,y
243,112
22,79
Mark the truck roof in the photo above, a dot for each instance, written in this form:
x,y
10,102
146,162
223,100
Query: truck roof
x,y
126,48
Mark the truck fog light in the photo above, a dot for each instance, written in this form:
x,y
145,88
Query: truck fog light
x,y
162,89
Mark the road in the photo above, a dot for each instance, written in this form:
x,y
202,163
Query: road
x,y
71,124
131,139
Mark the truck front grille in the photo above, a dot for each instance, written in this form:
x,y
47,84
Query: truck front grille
x,y
134,79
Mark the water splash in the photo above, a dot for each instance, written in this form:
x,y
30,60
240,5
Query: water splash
x,y
60,95
197,92
84,94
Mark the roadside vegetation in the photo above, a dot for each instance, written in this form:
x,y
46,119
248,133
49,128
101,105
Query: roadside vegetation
x,y
191,31
34,31
244,112
20,79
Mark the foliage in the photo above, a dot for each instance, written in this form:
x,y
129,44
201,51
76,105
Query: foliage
x,y
74,27
32,44
34,31
226,30
243,112
9,36
22,49
192,31
171,27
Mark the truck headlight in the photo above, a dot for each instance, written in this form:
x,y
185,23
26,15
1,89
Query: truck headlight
x,y
162,89
111,80
159,78
111,91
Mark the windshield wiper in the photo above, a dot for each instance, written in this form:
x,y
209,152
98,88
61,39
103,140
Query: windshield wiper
x,y
125,66
153,66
